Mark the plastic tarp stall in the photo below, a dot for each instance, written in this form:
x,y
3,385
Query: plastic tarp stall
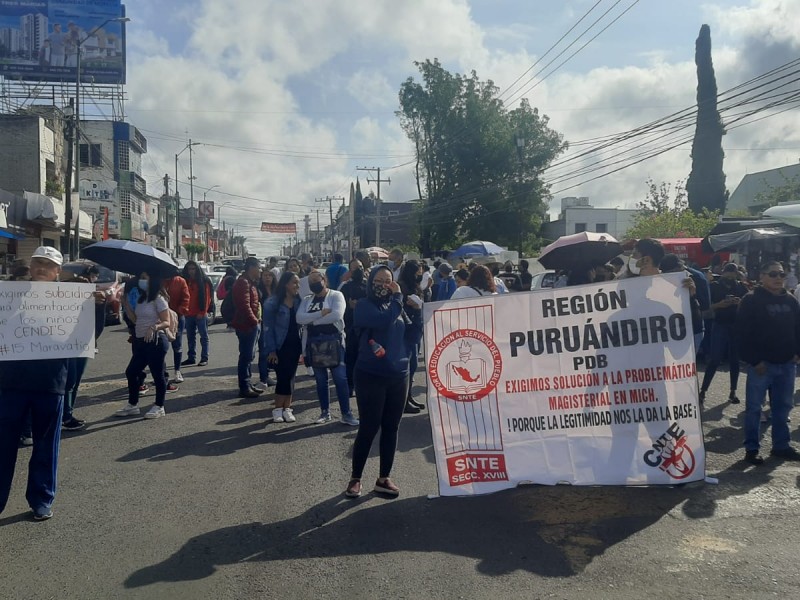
x,y
786,213
738,239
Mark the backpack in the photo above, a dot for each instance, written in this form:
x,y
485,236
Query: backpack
x,y
228,309
172,331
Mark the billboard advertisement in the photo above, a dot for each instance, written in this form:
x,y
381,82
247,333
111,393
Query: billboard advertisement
x,y
41,40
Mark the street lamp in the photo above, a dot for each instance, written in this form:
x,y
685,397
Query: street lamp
x,y
73,245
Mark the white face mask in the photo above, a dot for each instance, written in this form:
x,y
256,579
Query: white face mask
x,y
632,267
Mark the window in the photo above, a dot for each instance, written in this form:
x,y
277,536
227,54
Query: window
x,y
91,155
394,213
124,203
601,228
123,156
580,227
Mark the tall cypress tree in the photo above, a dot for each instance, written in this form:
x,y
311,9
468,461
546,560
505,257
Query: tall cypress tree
x,y
705,187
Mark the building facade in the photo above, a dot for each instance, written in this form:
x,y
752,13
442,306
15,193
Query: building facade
x,y
578,215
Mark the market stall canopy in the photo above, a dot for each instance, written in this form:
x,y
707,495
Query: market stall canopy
x,y
785,213
580,250
738,239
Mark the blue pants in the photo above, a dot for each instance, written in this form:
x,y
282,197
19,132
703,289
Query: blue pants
x,y
722,339
177,344
193,326
263,364
339,374
779,380
75,370
247,351
45,409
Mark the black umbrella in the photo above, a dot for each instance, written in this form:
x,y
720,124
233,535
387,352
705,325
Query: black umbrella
x,y
580,250
131,257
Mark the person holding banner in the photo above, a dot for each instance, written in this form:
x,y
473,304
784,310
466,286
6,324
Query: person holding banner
x,y
768,333
150,318
381,377
36,387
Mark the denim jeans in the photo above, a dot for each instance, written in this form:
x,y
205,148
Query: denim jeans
x,y
339,374
193,326
75,370
263,365
247,351
779,380
177,344
722,339
45,409
151,355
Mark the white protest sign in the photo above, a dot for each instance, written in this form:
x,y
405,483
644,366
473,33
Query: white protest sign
x,y
587,385
46,320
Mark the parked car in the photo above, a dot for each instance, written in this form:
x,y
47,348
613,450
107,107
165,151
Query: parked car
x,y
110,282
214,315
545,279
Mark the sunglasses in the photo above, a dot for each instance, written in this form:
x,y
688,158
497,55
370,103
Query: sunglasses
x,y
773,274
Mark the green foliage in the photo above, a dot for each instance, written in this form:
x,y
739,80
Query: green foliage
x,y
706,184
662,216
54,188
788,192
477,163
194,249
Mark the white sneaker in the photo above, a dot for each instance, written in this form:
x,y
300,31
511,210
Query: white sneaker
x,y
128,410
277,415
178,377
323,418
271,381
260,386
288,415
155,412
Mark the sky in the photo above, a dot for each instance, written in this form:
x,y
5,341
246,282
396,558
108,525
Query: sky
x,y
287,99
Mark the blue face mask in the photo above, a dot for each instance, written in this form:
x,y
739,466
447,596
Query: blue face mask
x,y
144,284
390,264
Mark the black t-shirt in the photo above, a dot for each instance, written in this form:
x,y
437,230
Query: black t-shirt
x,y
316,305
720,289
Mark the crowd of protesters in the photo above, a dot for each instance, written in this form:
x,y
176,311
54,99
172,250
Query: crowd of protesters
x,y
360,326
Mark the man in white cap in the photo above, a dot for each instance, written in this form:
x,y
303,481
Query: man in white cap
x,y
35,386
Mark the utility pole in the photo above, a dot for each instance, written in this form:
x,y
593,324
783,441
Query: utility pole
x,y
70,132
329,200
307,222
191,187
166,210
378,200
319,239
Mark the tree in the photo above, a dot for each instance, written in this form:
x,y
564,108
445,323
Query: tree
x,y
662,216
194,249
706,184
788,192
474,179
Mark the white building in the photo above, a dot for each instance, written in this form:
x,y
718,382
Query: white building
x,y
745,196
578,215
11,39
34,28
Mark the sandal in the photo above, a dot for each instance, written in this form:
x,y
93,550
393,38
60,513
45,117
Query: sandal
x,y
353,488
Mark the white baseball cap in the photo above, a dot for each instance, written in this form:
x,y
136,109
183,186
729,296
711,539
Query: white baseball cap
x,y
49,253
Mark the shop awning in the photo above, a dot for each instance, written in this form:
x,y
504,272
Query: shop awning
x,y
737,239
10,236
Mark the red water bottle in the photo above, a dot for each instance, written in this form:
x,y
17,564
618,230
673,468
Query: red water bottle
x,y
377,349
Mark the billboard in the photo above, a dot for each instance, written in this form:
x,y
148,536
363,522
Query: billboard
x,y
40,40
279,227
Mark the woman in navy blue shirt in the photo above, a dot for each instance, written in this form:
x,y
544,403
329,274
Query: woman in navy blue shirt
x,y
381,377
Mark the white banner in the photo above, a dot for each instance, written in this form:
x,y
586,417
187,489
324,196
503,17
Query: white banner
x,y
46,320
588,385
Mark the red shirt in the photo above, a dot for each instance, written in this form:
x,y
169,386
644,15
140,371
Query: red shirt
x,y
195,310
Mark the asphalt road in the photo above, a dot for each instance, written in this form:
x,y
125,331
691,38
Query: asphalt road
x,y
215,501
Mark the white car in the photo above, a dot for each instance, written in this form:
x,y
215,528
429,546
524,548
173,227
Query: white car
x,y
544,279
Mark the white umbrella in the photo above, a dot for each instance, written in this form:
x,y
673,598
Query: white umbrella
x,y
785,213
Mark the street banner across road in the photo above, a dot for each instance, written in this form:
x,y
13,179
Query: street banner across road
x,y
279,227
587,385
46,320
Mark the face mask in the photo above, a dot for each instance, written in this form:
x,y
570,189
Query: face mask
x,y
316,287
390,264
358,275
632,266
144,284
380,291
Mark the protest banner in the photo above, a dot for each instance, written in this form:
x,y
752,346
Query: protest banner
x,y
46,320
586,385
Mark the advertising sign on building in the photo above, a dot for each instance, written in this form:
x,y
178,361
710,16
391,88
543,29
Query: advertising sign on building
x,y
587,385
45,37
205,209
96,197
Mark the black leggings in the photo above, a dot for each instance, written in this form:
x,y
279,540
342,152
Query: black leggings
x,y
381,401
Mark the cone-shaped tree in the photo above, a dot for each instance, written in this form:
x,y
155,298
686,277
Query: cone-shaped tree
x,y
705,187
